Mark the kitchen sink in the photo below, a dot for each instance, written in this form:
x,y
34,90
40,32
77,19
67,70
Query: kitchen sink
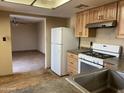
x,y
104,81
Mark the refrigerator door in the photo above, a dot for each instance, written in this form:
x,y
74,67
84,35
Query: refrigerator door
x,y
56,36
56,58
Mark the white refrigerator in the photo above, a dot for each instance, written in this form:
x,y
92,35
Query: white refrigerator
x,y
62,39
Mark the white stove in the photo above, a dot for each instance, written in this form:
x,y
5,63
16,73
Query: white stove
x,y
94,58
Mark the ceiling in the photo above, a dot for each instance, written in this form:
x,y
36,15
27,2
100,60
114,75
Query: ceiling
x,y
66,10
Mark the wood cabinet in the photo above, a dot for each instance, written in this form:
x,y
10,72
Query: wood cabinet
x,y
104,13
109,65
72,63
94,15
110,12
120,29
78,26
100,14
80,30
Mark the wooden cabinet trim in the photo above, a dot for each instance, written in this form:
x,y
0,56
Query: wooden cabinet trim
x,y
120,33
72,63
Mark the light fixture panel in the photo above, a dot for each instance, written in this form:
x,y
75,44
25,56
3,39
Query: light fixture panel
x,y
61,2
50,4
44,3
27,2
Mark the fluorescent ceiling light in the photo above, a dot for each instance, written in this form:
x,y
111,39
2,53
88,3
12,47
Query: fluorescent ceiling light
x,y
50,4
27,2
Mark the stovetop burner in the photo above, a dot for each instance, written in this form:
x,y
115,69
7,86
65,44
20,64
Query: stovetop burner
x,y
97,55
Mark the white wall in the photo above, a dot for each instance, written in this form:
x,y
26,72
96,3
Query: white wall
x,y
41,37
24,37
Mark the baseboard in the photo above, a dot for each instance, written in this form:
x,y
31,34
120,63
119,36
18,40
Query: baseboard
x,y
41,52
27,51
24,51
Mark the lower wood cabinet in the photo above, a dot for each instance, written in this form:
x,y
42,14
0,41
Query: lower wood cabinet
x,y
109,65
72,63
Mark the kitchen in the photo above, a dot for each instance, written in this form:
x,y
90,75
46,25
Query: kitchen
x,y
89,61
96,33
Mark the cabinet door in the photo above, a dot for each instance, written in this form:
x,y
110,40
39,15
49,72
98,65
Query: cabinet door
x,y
82,20
72,63
121,19
110,11
91,16
94,15
104,13
85,22
101,14
78,26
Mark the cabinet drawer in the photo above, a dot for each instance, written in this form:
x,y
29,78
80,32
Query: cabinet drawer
x,y
72,71
71,55
73,65
72,60
73,68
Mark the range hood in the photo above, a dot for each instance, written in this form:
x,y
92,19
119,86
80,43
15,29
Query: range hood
x,y
107,24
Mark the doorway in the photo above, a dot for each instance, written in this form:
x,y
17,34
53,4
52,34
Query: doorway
x,y
28,43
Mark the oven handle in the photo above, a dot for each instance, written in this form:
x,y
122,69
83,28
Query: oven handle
x,y
86,60
89,61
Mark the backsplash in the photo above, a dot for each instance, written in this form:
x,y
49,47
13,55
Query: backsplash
x,y
107,36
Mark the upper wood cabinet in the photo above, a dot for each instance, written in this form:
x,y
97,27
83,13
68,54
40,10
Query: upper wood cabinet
x,y
85,20
78,25
110,11
81,20
120,29
104,13
100,14
94,15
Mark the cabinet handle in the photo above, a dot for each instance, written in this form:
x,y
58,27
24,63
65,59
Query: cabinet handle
x,y
71,55
98,17
102,17
80,33
71,72
71,62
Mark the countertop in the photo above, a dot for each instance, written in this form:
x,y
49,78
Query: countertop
x,y
118,63
77,51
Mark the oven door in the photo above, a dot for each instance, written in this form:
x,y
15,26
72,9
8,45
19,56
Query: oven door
x,y
85,66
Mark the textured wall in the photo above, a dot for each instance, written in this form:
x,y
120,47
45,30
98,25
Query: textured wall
x,y
5,47
107,36
24,37
41,37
